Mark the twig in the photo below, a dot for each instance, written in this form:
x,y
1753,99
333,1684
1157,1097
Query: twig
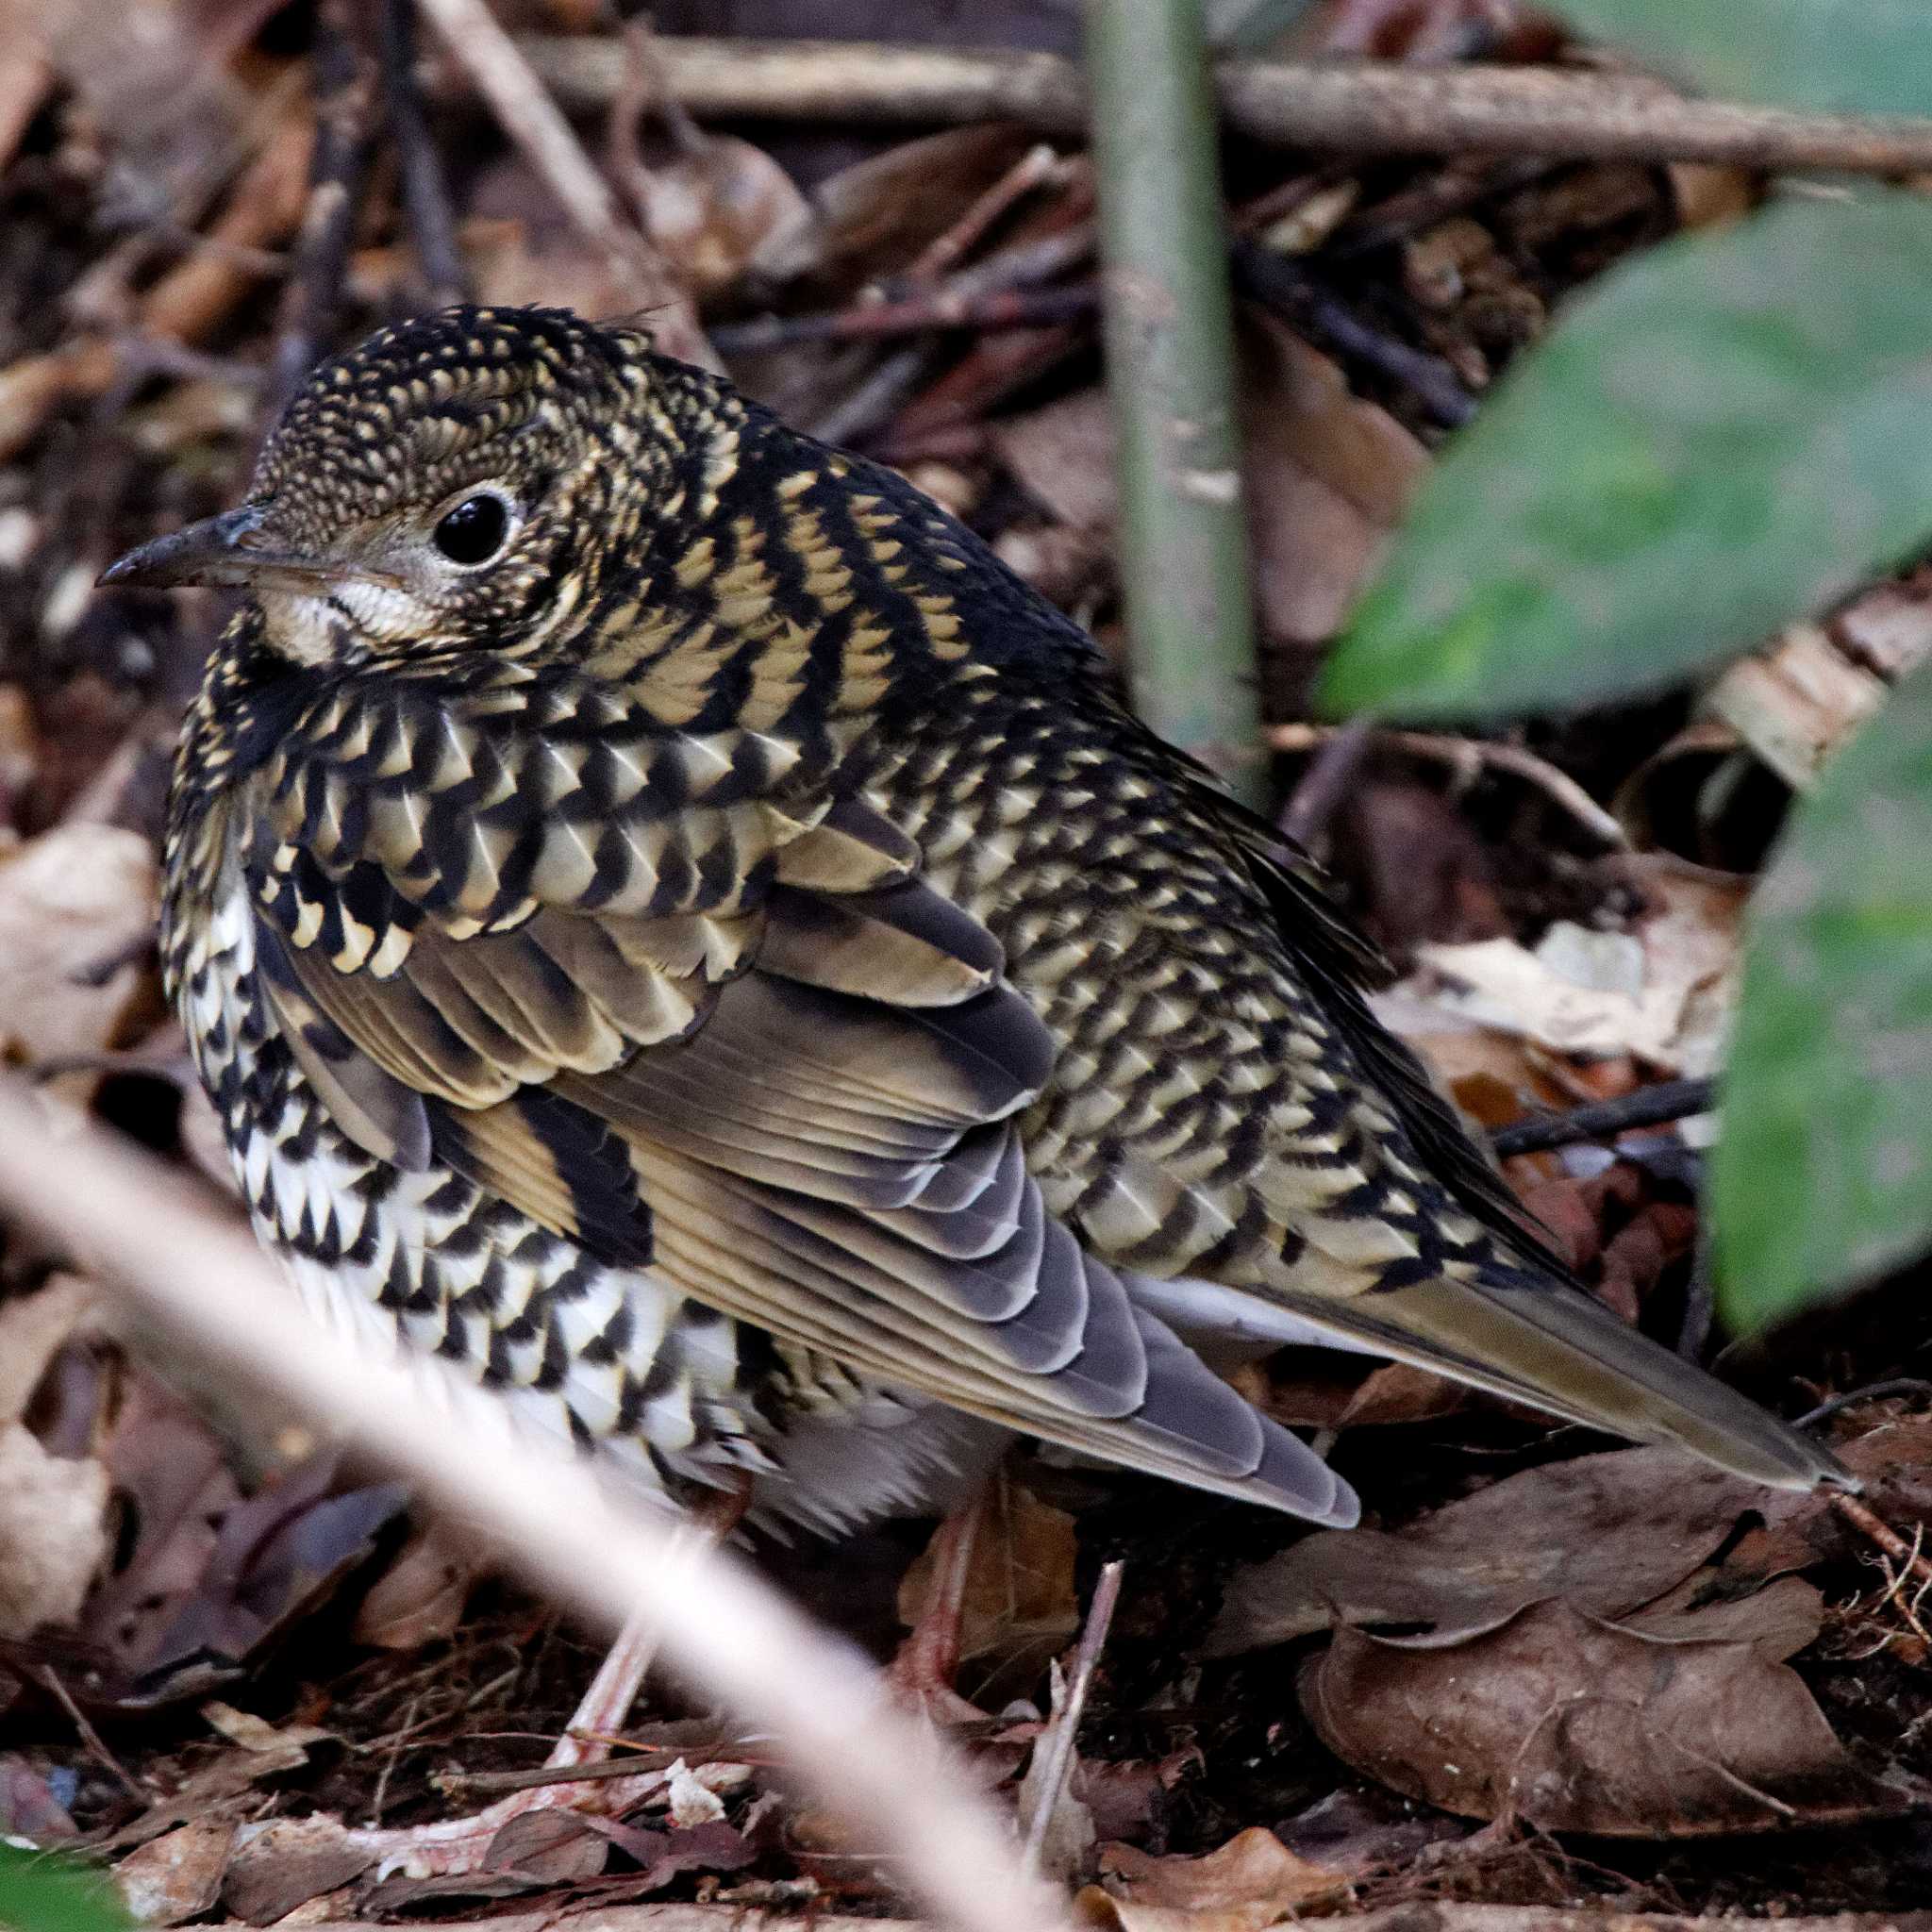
x,y
493,1783
425,192
1036,166
1473,754
336,167
1290,286
1446,192
1368,107
522,103
90,1739
914,315
886,390
1063,1732
1872,1392
876,400
1906,1556
1169,334
1603,1120
212,1289
1319,793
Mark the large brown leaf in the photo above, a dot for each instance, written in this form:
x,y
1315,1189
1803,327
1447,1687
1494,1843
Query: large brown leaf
x,y
1683,1726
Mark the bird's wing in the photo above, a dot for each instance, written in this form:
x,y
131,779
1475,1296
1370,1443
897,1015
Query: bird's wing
x,y
1504,1313
735,1039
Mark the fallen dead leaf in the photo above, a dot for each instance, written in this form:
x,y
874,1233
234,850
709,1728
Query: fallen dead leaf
x,y
53,1533
1318,1389
876,216
178,1876
1795,702
33,1328
1020,1604
282,1863
1610,1532
1062,454
1421,873
1252,1881
1574,1722
1327,477
28,1808
1662,991
70,899
420,1598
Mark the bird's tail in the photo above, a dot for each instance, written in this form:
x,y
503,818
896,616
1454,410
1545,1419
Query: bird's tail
x,y
1518,1334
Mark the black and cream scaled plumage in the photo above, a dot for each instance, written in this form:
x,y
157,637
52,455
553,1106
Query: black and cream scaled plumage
x,y
673,927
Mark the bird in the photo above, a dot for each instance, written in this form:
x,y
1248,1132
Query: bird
x,y
671,925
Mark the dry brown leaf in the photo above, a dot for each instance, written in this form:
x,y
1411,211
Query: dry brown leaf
x,y
1401,1392
419,1599
1609,1531
33,1328
1062,453
283,1863
1327,476
178,1876
1795,702
28,1808
724,208
1018,1599
1577,1724
70,899
1252,1881
1418,866
1662,991
54,1534
1319,1388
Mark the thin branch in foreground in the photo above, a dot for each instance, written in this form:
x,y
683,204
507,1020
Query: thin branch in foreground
x,y
207,1287
1371,107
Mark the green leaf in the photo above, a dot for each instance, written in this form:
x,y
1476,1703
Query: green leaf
x,y
1723,434
1872,56
42,1892
1823,1176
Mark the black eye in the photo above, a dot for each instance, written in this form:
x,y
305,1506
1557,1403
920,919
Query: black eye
x,y
474,532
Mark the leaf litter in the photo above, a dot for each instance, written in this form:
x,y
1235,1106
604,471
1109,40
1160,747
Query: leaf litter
x,y
225,1655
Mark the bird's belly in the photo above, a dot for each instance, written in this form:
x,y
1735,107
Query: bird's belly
x,y
681,1394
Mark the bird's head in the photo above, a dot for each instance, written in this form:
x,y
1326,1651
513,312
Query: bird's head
x,y
459,480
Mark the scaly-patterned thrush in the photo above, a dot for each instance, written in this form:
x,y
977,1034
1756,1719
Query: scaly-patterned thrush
x,y
671,926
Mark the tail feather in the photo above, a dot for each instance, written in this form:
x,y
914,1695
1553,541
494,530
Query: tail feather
x,y
1518,1335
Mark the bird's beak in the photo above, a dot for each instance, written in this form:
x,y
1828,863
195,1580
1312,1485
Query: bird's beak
x,y
217,550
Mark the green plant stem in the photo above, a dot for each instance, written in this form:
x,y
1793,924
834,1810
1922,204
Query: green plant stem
x,y
1169,375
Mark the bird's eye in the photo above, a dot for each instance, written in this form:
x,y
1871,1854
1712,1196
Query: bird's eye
x,y
472,532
